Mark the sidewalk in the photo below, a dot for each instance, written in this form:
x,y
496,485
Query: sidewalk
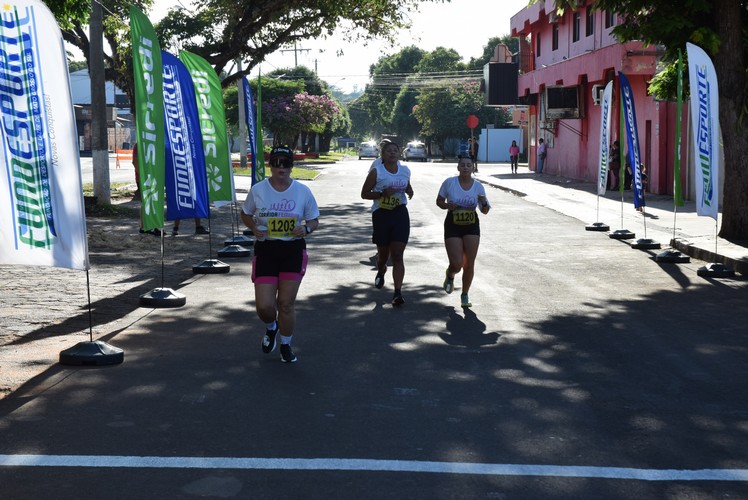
x,y
683,230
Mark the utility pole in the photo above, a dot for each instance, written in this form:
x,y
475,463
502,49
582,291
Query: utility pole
x,y
99,135
295,51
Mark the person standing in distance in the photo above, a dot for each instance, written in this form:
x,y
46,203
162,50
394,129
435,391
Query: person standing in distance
x,y
388,185
542,152
614,167
282,213
460,196
473,152
514,156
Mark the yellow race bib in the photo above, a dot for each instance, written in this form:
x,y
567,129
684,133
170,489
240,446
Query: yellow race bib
x,y
464,217
389,202
281,227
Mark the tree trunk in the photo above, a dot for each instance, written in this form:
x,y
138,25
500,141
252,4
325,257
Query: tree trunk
x,y
99,132
729,64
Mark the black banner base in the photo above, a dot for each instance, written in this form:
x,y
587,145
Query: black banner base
x,y
715,270
239,239
646,244
95,353
162,297
597,226
234,251
622,234
672,256
211,266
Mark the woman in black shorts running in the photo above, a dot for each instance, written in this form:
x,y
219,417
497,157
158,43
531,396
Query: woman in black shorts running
x,y
388,185
460,196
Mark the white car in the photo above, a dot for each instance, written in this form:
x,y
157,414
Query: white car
x,y
368,150
415,151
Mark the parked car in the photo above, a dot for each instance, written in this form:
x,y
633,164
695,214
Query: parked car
x,y
368,149
415,151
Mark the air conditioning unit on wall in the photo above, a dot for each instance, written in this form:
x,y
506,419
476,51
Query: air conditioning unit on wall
x,y
597,94
549,125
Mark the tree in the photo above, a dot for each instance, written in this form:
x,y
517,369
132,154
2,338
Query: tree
x,y
272,87
719,27
72,17
281,89
74,66
339,126
440,60
223,31
398,79
287,118
388,76
488,50
361,125
404,123
442,110
437,82
434,113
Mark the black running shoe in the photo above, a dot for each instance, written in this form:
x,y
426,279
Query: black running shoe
x,y
398,300
201,230
268,341
287,355
379,280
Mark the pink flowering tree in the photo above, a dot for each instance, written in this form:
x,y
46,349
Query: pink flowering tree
x,y
288,117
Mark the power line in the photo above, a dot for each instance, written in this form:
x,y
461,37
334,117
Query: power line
x,y
415,80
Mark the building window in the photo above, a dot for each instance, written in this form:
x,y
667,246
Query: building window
x,y
610,18
554,41
537,44
590,22
576,27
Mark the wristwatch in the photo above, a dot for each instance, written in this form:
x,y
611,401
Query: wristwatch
x,y
308,229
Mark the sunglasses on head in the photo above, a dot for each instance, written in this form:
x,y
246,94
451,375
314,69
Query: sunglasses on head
x,y
281,163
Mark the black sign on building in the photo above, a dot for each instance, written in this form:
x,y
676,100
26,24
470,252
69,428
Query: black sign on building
x,y
500,84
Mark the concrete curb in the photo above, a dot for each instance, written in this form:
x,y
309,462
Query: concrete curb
x,y
701,253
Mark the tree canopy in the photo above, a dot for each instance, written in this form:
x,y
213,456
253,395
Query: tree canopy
x,y
223,31
421,94
442,110
488,50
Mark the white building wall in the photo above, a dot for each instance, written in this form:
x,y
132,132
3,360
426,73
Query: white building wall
x,y
493,144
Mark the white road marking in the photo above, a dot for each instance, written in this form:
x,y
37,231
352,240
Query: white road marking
x,y
344,464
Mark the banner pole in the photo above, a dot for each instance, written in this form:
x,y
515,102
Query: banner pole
x,y
621,234
90,314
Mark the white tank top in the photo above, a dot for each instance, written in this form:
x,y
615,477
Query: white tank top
x,y
398,181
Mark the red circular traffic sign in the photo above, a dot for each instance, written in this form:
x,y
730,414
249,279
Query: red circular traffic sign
x,y
472,121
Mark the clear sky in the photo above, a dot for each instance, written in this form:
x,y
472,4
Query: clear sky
x,y
462,25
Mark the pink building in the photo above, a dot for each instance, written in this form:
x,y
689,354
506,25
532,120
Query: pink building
x,y
564,64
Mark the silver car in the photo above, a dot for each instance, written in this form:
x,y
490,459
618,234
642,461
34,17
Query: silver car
x,y
368,149
415,151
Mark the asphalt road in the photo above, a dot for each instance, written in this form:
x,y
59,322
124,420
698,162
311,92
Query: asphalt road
x,y
584,370
124,174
